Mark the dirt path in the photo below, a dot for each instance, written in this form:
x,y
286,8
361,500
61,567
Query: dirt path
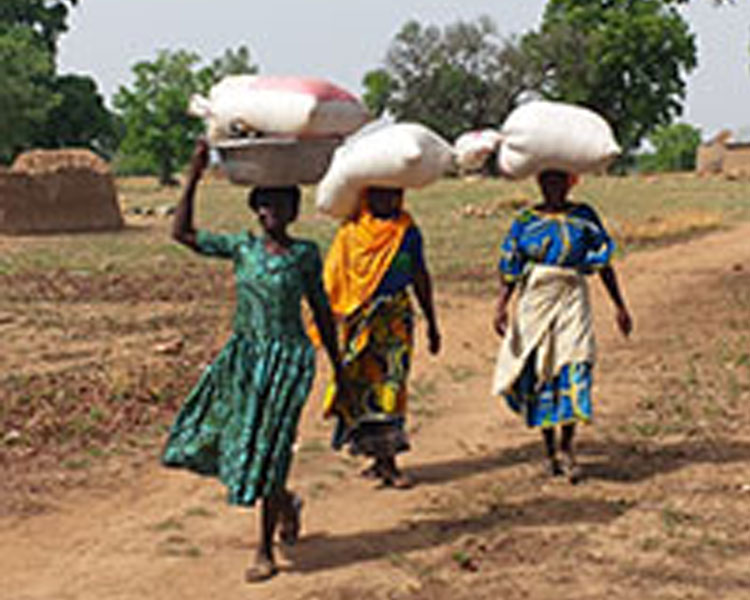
x,y
483,521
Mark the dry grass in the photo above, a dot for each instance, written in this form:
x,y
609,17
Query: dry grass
x,y
664,229
37,162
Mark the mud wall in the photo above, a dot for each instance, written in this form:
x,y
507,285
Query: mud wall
x,y
71,199
737,160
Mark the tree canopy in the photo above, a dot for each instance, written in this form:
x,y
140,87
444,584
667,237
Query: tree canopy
x,y
159,134
25,98
626,59
453,79
38,107
47,19
79,118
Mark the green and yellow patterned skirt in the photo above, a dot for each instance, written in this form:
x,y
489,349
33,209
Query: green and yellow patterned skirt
x,y
378,341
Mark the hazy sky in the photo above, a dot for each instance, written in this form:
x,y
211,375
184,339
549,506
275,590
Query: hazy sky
x,y
342,39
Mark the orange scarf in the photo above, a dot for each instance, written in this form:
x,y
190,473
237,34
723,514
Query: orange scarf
x,y
359,258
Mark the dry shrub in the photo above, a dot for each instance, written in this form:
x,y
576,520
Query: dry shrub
x,y
494,209
668,227
39,162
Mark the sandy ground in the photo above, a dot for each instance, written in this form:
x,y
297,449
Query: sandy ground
x,y
662,513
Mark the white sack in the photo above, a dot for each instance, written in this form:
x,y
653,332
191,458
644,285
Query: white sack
x,y
401,155
474,147
544,135
296,106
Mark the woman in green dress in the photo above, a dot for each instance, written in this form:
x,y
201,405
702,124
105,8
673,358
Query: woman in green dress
x,y
239,422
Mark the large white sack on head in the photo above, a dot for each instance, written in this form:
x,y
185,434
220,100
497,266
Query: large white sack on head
x,y
544,135
401,155
297,106
474,147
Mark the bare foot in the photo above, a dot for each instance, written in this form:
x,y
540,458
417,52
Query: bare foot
x,y
393,477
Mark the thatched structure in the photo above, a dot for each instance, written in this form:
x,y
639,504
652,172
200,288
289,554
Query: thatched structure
x,y
50,191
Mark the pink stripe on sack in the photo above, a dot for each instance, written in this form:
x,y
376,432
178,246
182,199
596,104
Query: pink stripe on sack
x,y
321,89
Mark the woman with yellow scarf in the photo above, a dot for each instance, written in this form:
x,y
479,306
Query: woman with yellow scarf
x,y
373,260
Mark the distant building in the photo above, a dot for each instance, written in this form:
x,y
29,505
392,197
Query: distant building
x,y
727,154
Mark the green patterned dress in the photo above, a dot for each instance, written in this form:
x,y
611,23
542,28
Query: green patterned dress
x,y
239,422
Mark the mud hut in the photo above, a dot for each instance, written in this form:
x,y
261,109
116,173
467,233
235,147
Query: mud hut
x,y
54,191
727,153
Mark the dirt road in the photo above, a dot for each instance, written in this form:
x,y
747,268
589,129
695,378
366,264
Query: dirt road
x,y
662,513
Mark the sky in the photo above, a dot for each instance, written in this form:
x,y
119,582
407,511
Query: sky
x,y
340,40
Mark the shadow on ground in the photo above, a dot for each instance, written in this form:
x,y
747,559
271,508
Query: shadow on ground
x,y
609,461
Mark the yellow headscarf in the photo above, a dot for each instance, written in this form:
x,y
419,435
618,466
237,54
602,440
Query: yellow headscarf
x,y
359,258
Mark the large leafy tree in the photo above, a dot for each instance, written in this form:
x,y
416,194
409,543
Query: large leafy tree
x,y
626,59
47,19
25,97
38,107
453,79
158,131
79,119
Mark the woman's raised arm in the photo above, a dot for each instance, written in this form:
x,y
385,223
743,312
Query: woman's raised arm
x,y
183,229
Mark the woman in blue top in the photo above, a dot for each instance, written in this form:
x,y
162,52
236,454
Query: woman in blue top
x,y
240,420
544,369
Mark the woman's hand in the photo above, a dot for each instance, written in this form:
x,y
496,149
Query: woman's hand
x,y
501,315
501,320
624,322
433,336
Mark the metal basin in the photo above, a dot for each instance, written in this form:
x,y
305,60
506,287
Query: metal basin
x,y
276,161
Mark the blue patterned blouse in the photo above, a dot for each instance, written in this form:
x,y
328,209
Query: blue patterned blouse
x,y
575,239
409,260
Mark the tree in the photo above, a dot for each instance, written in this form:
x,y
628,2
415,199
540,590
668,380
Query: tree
x,y
154,112
455,79
233,62
159,134
626,59
47,19
25,98
79,119
38,107
674,148
379,87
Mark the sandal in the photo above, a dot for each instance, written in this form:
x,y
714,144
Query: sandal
x,y
572,469
263,570
290,521
401,482
398,480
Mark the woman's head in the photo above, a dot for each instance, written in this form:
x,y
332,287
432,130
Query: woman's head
x,y
384,202
555,185
276,207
